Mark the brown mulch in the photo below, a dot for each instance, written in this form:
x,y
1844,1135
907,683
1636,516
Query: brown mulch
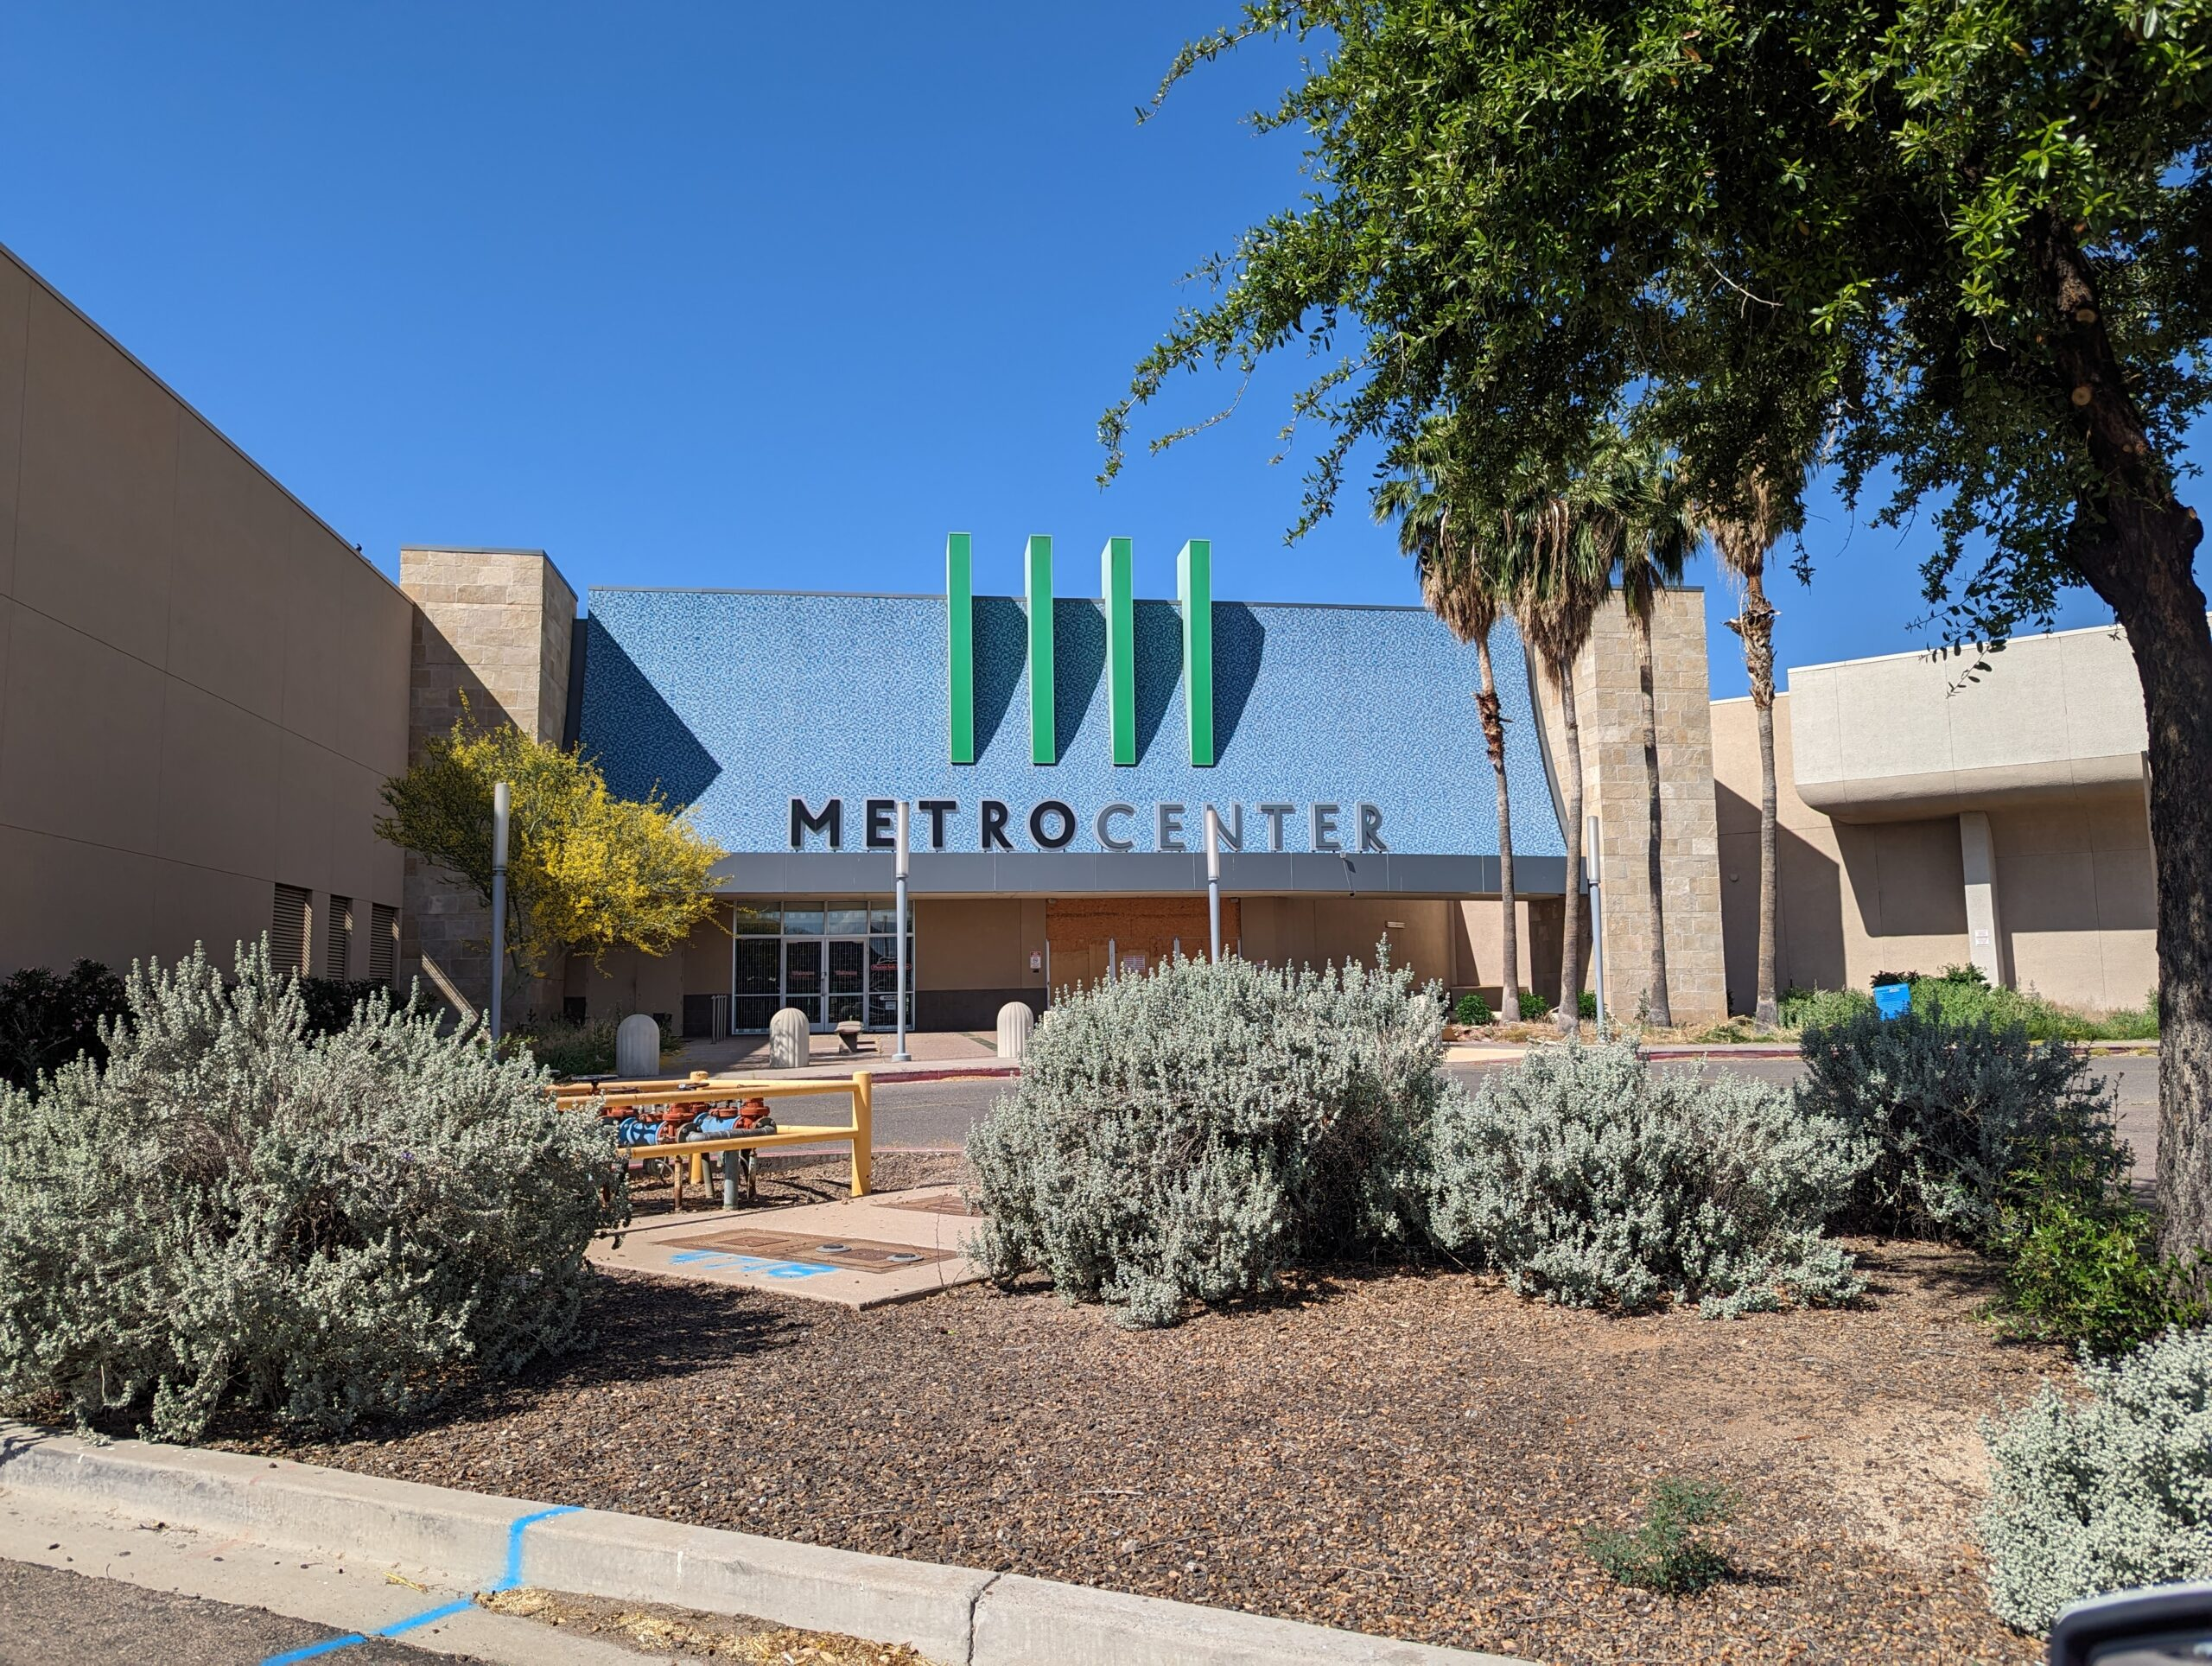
x,y
1411,1453
687,1635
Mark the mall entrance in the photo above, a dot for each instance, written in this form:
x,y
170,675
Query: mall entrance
x,y
837,962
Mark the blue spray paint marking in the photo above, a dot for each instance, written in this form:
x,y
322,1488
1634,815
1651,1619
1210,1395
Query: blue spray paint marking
x,y
509,1577
719,1258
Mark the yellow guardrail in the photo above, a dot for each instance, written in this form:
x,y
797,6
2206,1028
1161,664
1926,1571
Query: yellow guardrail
x,y
858,1133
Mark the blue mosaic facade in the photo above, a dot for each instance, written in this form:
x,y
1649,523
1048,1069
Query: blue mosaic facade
x,y
735,702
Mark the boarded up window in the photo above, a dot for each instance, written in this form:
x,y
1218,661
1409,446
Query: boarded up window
x,y
289,928
384,941
338,941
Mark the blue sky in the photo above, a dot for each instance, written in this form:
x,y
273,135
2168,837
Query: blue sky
x,y
714,295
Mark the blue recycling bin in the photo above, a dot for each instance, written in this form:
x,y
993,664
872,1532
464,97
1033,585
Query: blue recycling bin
x,y
1893,1000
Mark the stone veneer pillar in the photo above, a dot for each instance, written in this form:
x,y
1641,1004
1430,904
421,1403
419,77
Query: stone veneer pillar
x,y
491,627
1609,707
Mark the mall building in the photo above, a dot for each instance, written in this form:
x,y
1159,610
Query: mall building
x,y
203,687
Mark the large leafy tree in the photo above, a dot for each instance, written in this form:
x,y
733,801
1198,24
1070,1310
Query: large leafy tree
x,y
1962,240
587,871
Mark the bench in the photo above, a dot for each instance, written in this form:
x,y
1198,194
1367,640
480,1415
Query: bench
x,y
858,1133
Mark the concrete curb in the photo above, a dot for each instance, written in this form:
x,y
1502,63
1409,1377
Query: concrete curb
x,y
959,1616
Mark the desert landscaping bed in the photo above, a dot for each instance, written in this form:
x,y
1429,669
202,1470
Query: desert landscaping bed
x,y
1410,1453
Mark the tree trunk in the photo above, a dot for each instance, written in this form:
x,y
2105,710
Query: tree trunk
x,y
1657,1007
2136,545
1569,1014
1756,626
1509,1000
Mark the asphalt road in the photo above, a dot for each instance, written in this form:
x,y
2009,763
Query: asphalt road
x,y
49,1616
939,1114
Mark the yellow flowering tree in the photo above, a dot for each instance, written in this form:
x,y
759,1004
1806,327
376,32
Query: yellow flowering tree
x,y
587,871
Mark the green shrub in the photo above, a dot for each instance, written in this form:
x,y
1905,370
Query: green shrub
x,y
1665,1553
2087,1272
1954,1112
1184,1135
1594,1181
46,1021
571,1049
232,1212
1585,1004
1803,1008
2106,1493
1471,1009
331,1002
1533,1006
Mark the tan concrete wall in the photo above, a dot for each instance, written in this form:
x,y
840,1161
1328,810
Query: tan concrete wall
x,y
1608,707
491,636
202,687
1329,930
2074,883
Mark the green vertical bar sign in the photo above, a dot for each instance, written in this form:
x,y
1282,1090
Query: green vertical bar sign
x,y
1194,590
1037,591
960,648
1113,583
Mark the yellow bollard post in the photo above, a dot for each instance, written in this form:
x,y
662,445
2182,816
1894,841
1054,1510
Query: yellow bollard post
x,y
863,1130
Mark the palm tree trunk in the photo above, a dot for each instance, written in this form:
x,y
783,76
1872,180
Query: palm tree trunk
x,y
1657,1004
1508,1000
1757,627
1569,1014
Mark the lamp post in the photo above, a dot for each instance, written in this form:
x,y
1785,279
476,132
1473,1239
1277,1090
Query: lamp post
x,y
1213,880
501,800
899,877
1596,925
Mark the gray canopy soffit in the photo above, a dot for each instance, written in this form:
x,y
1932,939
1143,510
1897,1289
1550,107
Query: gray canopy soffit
x,y
1075,874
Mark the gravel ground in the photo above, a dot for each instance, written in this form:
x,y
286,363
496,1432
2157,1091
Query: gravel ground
x,y
1410,1453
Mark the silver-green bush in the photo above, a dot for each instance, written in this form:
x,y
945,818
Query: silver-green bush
x,y
232,1212
1184,1135
1594,1181
1957,1114
2106,1493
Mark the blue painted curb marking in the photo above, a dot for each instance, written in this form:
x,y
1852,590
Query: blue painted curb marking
x,y
509,1577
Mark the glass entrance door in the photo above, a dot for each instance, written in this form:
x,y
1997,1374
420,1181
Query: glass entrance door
x,y
802,977
847,979
836,962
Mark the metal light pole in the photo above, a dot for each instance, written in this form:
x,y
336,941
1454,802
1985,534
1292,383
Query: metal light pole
x,y
1596,923
899,875
501,798
1213,879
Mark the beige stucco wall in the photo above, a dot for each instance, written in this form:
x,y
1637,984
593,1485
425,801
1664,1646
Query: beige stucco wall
x,y
1610,711
202,687
2075,909
492,634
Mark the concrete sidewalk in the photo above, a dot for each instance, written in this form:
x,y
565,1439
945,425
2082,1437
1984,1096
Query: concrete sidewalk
x,y
444,1540
856,1252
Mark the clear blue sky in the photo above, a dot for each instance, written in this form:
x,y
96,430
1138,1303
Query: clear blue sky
x,y
713,294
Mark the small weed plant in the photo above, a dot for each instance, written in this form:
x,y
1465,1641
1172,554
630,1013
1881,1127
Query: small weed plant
x,y
2107,1492
1665,1552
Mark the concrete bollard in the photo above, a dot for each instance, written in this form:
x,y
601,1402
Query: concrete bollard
x,y
637,1045
1016,1021
788,1046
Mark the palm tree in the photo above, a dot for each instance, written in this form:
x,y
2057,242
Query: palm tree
x,y
1659,534
1467,559
1573,540
1742,533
